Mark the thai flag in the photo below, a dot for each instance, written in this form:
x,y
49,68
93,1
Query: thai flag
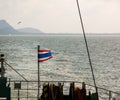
x,y
44,55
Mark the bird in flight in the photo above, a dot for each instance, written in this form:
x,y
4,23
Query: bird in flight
x,y
19,22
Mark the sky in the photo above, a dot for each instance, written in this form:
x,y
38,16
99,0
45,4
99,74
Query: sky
x,y
61,16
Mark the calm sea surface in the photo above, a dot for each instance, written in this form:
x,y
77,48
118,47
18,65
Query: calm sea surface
x,y
69,62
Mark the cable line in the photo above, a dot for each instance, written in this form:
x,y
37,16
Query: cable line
x,y
83,30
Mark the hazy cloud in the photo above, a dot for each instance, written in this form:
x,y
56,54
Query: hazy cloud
x,y
62,15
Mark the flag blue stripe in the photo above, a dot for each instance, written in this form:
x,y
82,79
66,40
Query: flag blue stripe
x,y
44,55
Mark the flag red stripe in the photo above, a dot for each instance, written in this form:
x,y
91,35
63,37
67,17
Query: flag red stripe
x,y
43,50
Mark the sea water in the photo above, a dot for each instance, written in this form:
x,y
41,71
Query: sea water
x,y
70,61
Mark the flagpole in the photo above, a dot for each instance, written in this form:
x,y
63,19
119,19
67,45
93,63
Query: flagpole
x,y
38,73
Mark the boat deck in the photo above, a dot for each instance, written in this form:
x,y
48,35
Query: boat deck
x,y
28,90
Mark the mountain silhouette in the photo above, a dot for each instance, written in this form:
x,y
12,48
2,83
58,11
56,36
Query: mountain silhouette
x,y
29,30
6,29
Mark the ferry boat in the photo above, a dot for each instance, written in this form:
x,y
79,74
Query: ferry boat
x,y
51,90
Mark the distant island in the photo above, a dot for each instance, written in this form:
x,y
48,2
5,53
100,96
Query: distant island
x,y
7,29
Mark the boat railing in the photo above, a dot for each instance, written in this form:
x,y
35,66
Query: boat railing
x,y
27,90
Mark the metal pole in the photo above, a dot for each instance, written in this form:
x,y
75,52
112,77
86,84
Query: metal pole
x,y
18,94
110,95
27,90
2,69
38,73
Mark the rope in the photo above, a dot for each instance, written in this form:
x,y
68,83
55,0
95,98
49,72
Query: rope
x,y
17,72
83,30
